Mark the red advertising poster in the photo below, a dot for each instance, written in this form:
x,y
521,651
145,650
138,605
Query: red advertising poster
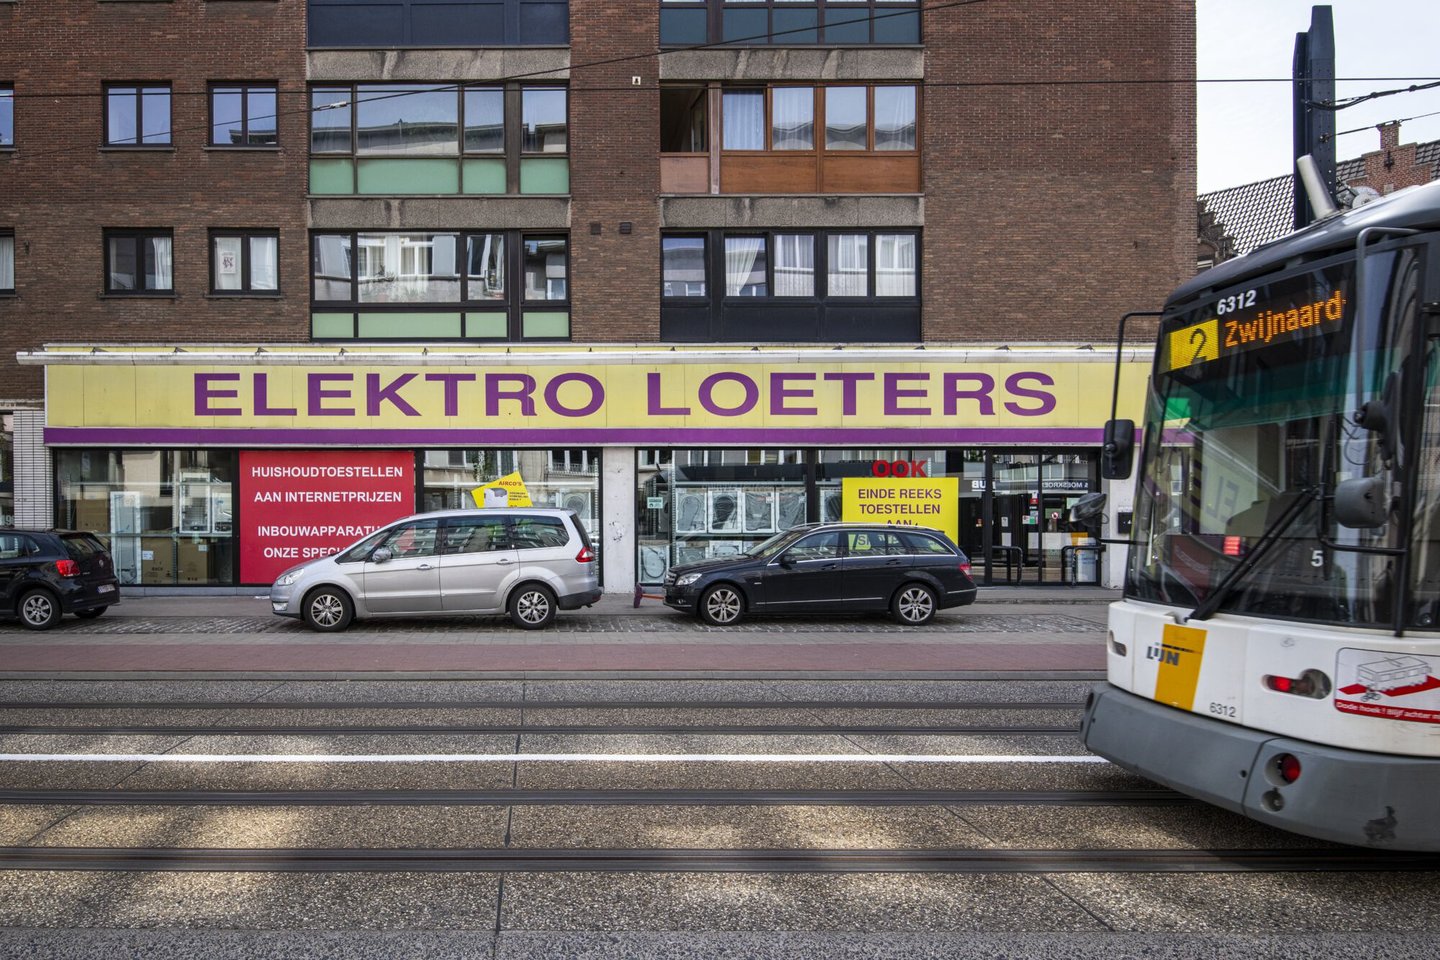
x,y
297,505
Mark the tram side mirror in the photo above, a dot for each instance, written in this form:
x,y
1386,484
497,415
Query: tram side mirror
x,y
1362,502
1089,509
1377,416
1118,450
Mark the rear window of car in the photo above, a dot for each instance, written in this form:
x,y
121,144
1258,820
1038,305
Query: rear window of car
x,y
82,546
920,543
530,532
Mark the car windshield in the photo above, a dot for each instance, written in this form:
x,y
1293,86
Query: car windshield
x,y
774,545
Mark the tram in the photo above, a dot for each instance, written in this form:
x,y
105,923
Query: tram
x,y
1277,648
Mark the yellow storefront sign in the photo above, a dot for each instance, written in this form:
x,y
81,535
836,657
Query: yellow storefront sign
x,y
929,502
508,491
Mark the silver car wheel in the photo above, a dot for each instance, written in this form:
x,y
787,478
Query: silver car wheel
x,y
37,609
326,610
722,605
533,606
915,605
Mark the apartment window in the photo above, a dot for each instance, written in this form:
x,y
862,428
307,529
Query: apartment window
x,y
466,139
791,285
244,262
138,262
7,262
789,22
857,118
243,115
425,23
440,285
7,116
137,115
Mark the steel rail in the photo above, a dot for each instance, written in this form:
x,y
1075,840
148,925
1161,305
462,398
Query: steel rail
x,y
545,705
1156,796
578,730
538,860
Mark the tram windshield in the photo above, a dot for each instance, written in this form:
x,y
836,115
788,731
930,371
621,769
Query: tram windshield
x,y
1249,427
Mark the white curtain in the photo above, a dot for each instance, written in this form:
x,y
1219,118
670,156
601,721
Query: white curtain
x,y
894,118
794,265
7,263
227,263
743,115
895,265
849,265
745,266
162,277
793,123
264,260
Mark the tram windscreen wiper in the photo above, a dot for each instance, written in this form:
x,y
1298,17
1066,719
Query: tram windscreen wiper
x,y
1207,607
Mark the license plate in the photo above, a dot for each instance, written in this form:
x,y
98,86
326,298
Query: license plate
x,y
105,588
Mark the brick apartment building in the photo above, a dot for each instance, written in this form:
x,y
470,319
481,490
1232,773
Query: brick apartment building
x,y
273,272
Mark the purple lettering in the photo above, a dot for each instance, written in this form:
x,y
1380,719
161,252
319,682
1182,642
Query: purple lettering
x,y
654,407
452,383
552,394
262,399
376,394
847,383
1047,400
981,393
779,393
521,393
707,394
318,393
204,393
894,393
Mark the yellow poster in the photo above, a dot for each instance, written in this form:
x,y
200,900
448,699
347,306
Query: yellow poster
x,y
923,502
508,491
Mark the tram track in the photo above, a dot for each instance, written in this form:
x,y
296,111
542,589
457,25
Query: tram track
x,y
803,730
500,704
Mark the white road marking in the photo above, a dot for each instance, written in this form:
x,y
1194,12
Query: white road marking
x,y
532,758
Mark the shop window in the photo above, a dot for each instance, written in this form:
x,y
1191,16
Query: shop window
x,y
243,115
139,262
568,479
393,139
439,286
7,117
167,515
840,138
244,262
827,286
424,23
137,115
789,22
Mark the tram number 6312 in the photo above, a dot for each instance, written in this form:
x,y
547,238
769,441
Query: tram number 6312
x,y
1222,710
1235,302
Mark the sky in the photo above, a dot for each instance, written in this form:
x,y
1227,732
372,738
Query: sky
x,y
1244,128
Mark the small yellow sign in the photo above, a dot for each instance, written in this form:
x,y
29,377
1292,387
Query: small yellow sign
x,y
1180,651
925,502
1194,344
510,485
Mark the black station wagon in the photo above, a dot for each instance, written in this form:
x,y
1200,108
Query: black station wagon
x,y
45,574
822,568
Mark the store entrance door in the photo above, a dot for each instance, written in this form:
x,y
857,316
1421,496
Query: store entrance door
x,y
1032,538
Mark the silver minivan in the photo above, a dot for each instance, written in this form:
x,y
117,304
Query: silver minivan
x,y
526,561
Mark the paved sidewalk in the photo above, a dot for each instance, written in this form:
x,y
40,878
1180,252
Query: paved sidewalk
x,y
1008,631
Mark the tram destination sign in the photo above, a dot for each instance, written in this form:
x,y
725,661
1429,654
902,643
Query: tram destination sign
x,y
1282,312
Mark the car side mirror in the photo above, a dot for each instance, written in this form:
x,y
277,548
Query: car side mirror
x,y
380,555
786,560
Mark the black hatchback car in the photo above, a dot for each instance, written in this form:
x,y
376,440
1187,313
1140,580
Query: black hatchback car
x,y
829,568
45,574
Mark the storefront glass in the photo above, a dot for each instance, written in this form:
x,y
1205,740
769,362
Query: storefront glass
x,y
7,472
567,478
696,504
168,515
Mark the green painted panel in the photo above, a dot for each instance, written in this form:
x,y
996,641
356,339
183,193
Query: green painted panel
x,y
410,326
544,175
332,326
553,323
331,176
409,175
485,175
486,325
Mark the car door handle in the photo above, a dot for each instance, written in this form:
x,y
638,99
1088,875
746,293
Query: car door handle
x,y
423,566
504,560
893,563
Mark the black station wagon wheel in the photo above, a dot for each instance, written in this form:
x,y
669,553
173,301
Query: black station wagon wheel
x,y
38,610
532,607
721,605
914,605
328,609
